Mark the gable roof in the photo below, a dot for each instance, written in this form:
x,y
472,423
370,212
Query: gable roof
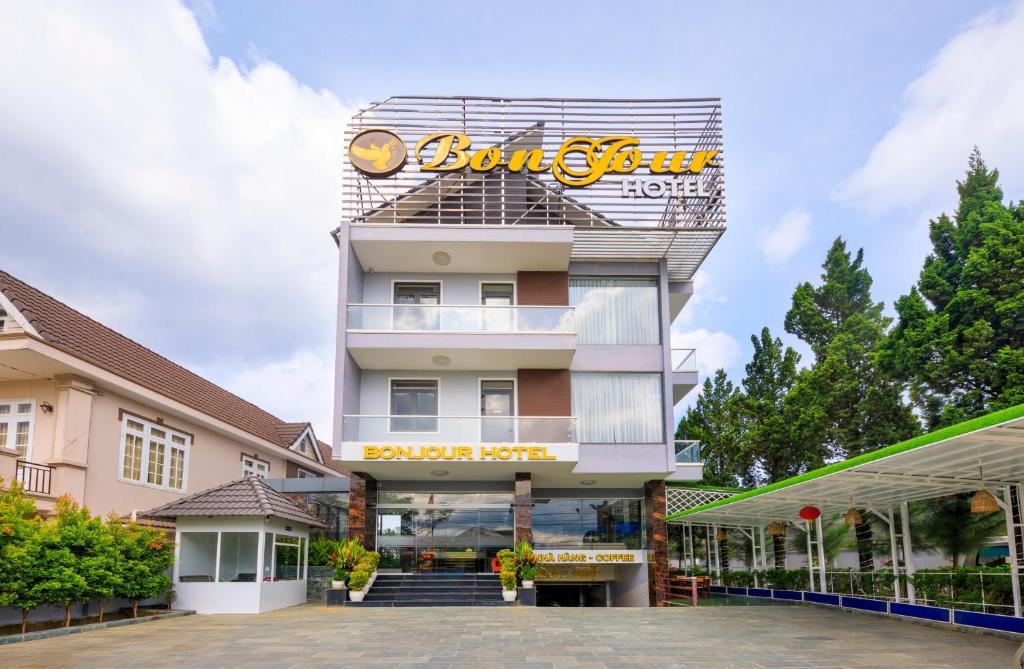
x,y
75,333
249,496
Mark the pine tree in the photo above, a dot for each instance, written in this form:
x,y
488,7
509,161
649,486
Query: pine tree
x,y
771,432
959,340
714,421
861,408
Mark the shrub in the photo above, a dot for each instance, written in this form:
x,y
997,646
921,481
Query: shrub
x,y
786,579
508,579
339,574
358,579
507,559
348,553
320,550
528,572
966,588
144,556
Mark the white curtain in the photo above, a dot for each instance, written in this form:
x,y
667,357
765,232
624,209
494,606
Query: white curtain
x,y
615,310
618,408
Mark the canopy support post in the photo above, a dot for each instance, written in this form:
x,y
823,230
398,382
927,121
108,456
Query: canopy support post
x,y
764,550
717,554
1012,528
888,519
810,556
821,553
908,552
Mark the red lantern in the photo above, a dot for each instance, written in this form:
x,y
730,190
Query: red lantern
x,y
810,513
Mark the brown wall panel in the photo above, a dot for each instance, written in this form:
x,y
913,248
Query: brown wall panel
x,y
542,288
544,392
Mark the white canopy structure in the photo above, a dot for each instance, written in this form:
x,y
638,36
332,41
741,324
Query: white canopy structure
x,y
986,453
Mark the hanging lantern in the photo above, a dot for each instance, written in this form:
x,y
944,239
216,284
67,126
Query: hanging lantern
x,y
852,517
810,512
984,502
777,529
721,534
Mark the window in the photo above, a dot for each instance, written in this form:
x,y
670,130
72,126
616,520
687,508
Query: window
x,y
197,560
238,554
495,296
615,310
413,405
417,317
284,557
16,420
588,523
305,446
303,474
224,557
3,320
618,408
153,454
253,467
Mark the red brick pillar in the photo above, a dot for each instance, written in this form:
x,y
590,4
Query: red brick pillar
x,y
524,507
657,542
362,509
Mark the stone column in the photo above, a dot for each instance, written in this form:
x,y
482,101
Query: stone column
x,y
657,542
524,507
362,509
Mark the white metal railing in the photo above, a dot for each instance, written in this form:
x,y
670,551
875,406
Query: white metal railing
x,y
684,360
687,451
461,318
459,429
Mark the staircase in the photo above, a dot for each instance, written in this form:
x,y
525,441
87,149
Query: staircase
x,y
434,590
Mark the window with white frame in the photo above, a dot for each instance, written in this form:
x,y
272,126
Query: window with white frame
x,y
253,467
153,455
305,446
303,474
3,320
16,426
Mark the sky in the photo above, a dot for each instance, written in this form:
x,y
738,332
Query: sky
x,y
173,170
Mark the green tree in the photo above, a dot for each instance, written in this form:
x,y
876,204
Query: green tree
x,y
861,408
947,525
19,552
959,340
144,556
715,422
768,433
60,582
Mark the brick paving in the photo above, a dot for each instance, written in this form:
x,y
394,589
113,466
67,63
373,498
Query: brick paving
x,y
311,637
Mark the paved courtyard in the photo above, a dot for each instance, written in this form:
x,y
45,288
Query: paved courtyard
x,y
308,637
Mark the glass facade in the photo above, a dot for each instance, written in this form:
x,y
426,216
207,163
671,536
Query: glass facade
x,y
452,532
588,523
615,310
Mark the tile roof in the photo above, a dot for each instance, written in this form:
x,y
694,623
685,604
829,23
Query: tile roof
x,y
249,496
75,333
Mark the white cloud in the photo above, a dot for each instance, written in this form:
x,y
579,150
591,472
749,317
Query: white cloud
x,y
972,94
185,201
715,350
787,236
299,386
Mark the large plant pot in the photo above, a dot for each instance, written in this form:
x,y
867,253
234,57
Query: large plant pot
x,y
508,595
337,585
356,595
527,584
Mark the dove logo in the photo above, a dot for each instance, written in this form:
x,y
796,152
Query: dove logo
x,y
377,153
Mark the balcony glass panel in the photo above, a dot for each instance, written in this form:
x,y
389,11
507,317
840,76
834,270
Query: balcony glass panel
x,y
460,318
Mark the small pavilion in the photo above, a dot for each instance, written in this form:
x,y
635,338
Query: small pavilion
x,y
241,547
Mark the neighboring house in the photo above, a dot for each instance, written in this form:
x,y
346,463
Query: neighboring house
x,y
88,412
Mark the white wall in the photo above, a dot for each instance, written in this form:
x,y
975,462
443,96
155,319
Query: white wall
x,y
455,288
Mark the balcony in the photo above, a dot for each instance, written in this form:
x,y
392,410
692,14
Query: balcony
x,y
34,478
450,336
684,372
689,466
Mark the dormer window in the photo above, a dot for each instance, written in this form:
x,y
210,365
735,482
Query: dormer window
x,y
3,320
305,446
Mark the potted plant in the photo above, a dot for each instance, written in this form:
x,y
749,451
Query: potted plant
x,y
527,572
338,578
357,581
508,585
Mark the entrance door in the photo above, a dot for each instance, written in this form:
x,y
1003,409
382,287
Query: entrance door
x,y
497,412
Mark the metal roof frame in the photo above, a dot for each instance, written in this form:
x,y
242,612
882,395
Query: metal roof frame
x,y
986,452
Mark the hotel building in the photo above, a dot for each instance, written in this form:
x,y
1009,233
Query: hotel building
x,y
509,274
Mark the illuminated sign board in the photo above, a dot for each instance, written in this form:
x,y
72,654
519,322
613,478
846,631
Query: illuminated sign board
x,y
546,557
578,162
370,452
